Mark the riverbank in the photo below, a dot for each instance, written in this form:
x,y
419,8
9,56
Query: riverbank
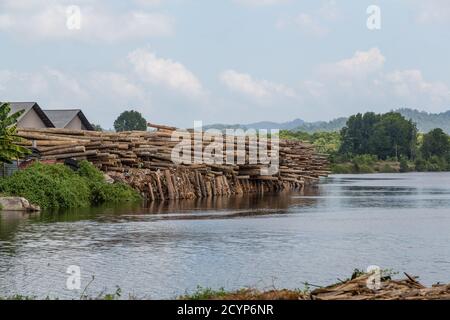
x,y
352,167
359,288
370,164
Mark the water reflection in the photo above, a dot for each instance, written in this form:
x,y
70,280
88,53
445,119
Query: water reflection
x,y
209,208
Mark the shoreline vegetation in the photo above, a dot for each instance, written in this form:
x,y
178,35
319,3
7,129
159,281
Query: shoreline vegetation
x,y
380,143
360,286
57,186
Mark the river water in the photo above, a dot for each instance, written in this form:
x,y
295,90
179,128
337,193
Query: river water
x,y
395,221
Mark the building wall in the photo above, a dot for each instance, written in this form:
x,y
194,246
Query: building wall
x,y
75,124
31,120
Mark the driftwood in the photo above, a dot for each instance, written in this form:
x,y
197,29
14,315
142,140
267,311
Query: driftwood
x,y
143,160
406,289
356,289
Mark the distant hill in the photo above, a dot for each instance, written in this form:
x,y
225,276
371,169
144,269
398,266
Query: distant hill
x,y
327,126
260,125
425,122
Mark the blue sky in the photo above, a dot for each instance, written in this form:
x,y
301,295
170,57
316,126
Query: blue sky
x,y
227,61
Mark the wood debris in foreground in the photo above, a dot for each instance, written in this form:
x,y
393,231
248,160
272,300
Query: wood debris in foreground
x,y
356,289
406,289
143,160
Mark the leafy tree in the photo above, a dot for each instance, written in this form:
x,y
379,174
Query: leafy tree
x,y
404,167
325,142
435,143
393,136
357,134
9,148
129,121
97,127
386,135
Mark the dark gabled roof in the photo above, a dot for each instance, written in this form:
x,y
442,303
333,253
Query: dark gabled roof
x,y
27,106
62,117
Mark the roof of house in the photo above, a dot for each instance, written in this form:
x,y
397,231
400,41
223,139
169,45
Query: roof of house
x,y
27,106
62,117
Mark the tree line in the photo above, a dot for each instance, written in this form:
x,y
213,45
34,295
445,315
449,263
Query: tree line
x,y
372,138
365,139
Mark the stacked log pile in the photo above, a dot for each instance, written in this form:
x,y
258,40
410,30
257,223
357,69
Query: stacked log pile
x,y
143,160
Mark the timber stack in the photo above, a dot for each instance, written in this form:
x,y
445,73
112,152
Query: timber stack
x,y
143,159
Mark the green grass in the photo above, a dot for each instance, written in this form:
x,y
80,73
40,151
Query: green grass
x,y
56,186
354,167
202,293
387,168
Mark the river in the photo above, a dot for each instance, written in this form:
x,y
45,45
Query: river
x,y
396,221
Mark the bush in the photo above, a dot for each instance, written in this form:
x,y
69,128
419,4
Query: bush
x,y
59,187
365,159
404,167
342,168
363,163
89,171
434,163
111,193
363,168
387,168
437,164
421,165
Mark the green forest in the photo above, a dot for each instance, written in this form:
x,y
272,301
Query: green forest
x,y
380,143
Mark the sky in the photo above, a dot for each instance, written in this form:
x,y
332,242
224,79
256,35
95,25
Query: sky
x,y
226,61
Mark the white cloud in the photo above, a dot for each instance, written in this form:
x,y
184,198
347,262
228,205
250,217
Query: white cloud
x,y
314,23
67,83
104,94
114,83
412,87
314,88
149,2
329,11
165,72
260,2
258,89
21,5
305,23
50,22
432,11
361,64
101,95
43,82
362,83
